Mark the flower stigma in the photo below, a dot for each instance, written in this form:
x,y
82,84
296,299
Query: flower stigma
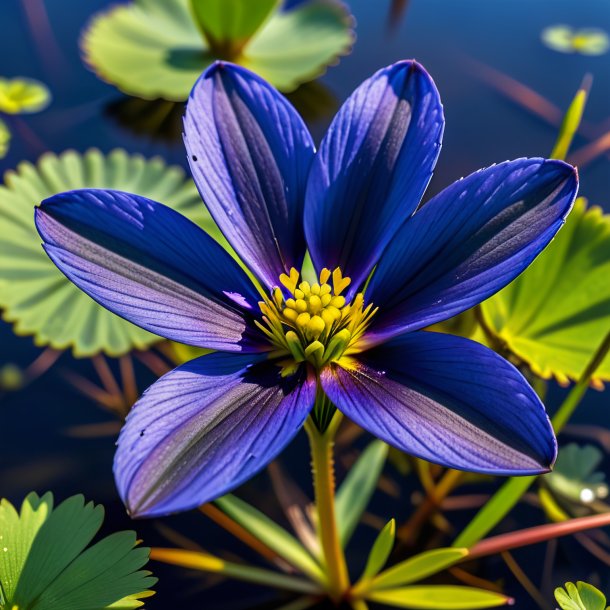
x,y
313,323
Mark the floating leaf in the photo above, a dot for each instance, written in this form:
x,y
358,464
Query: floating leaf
x,y
418,567
565,39
439,597
45,565
580,596
23,95
154,48
356,490
574,476
5,138
34,294
553,316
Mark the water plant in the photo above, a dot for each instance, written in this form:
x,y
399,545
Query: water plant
x,y
580,596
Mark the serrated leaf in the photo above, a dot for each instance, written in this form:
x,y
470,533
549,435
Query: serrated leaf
x,y
155,49
581,596
418,567
439,597
356,490
553,315
271,534
23,95
34,295
380,551
44,563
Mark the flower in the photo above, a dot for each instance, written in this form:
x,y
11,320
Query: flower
x,y
386,270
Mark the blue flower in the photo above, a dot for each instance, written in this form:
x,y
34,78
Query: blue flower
x,y
387,268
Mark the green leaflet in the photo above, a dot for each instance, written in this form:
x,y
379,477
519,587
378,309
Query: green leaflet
x,y
154,48
418,567
45,565
271,534
439,597
23,95
580,596
555,313
34,294
358,487
380,551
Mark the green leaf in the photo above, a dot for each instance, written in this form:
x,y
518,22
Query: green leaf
x,y
586,41
271,534
23,95
418,567
570,124
380,551
356,490
439,597
44,563
553,315
229,24
155,49
35,296
5,138
581,596
574,476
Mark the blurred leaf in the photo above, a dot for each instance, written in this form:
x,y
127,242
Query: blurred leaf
x,y
356,491
380,551
418,567
439,597
45,565
34,294
271,534
571,122
574,476
23,96
581,596
153,48
181,353
565,39
229,24
5,138
553,315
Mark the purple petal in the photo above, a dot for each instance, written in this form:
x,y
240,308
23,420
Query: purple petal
x,y
372,168
448,400
205,428
150,265
468,242
250,153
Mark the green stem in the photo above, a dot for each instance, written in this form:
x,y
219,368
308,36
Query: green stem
x,y
321,444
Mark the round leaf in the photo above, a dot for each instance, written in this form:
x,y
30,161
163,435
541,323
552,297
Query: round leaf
x,y
23,95
152,49
34,294
554,315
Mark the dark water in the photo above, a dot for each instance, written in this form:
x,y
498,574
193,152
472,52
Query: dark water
x,y
452,38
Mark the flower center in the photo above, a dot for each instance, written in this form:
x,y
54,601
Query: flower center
x,y
313,322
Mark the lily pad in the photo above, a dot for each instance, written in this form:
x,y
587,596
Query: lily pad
x,y
555,314
575,477
586,41
34,294
154,48
45,565
23,95
580,596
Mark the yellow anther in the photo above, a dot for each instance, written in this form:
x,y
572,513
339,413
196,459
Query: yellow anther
x,y
315,289
324,275
305,287
301,305
316,326
278,298
302,320
340,283
299,294
290,282
338,302
315,304
329,316
325,289
291,303
291,314
325,299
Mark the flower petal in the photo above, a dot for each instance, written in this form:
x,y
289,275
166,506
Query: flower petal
x,y
150,265
250,153
448,400
205,428
372,168
468,242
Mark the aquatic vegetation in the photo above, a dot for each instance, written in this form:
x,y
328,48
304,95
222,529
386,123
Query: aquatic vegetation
x,y
301,342
154,48
586,41
45,563
580,596
37,298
